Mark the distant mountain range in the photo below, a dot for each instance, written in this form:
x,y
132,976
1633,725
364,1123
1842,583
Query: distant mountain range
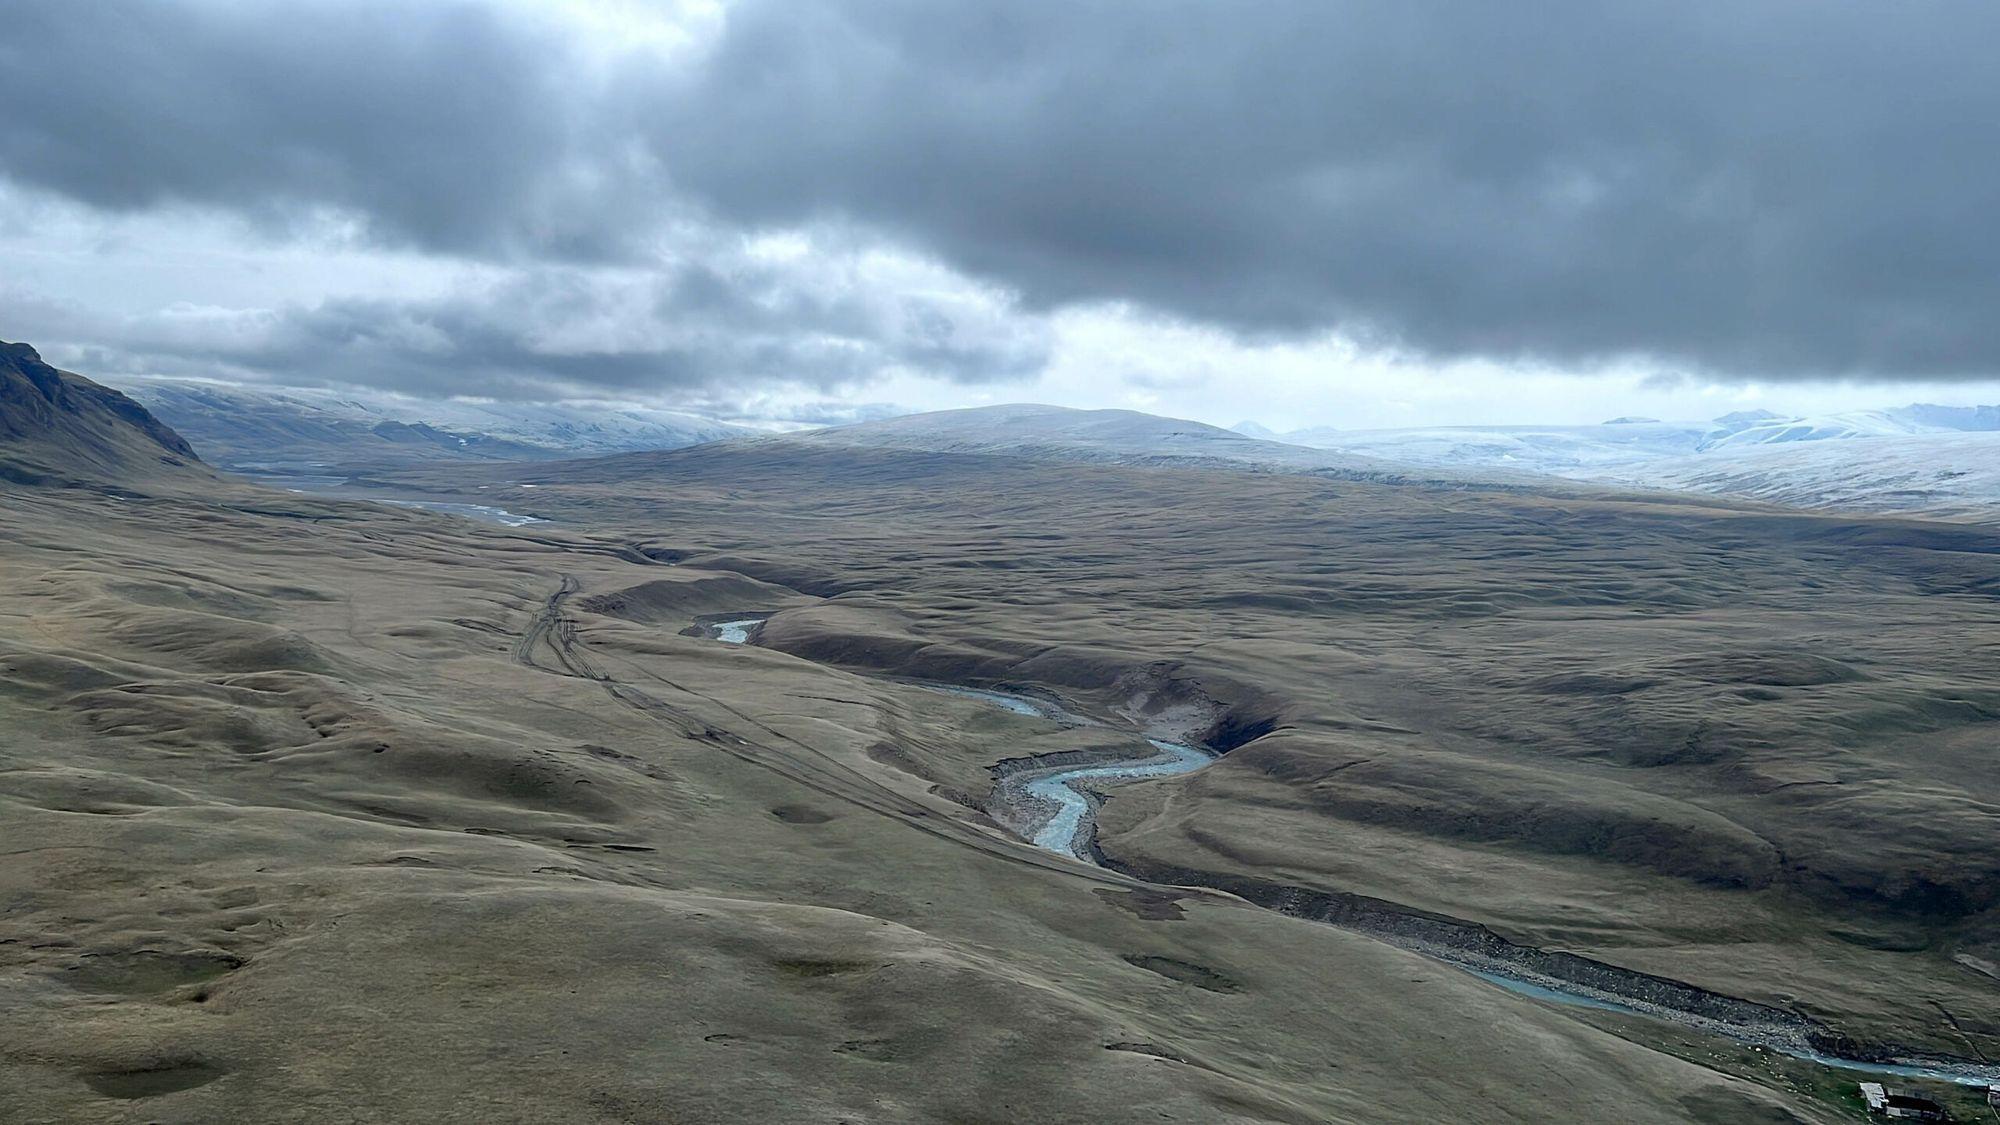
x,y
291,429
1918,459
1125,437
1913,460
1561,449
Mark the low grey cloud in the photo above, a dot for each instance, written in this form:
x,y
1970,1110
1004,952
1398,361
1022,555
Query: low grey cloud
x,y
692,334
1797,188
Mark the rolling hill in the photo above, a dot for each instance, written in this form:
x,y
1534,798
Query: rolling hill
x,y
1118,437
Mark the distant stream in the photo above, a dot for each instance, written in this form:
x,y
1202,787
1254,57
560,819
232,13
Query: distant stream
x,y
486,512
310,484
1069,830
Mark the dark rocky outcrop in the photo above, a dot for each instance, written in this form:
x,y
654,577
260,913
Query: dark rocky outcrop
x,y
56,427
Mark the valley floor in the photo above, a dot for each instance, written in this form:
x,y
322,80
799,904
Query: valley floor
x,y
321,810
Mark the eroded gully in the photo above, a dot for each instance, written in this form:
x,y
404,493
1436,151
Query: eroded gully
x,y
1054,806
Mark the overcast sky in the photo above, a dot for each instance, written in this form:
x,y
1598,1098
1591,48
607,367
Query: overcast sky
x,y
1326,212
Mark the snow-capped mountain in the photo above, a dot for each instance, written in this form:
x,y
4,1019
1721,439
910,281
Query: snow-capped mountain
x,y
1922,458
250,426
1054,433
1559,448
1951,474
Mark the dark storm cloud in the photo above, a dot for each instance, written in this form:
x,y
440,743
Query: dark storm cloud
x,y
445,124
1783,188
1792,187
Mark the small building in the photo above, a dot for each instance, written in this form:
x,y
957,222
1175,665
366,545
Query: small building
x,y
1901,1104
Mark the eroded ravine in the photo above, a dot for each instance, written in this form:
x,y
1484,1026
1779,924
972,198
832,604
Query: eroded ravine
x,y
1060,806
550,644
1070,829
1053,807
